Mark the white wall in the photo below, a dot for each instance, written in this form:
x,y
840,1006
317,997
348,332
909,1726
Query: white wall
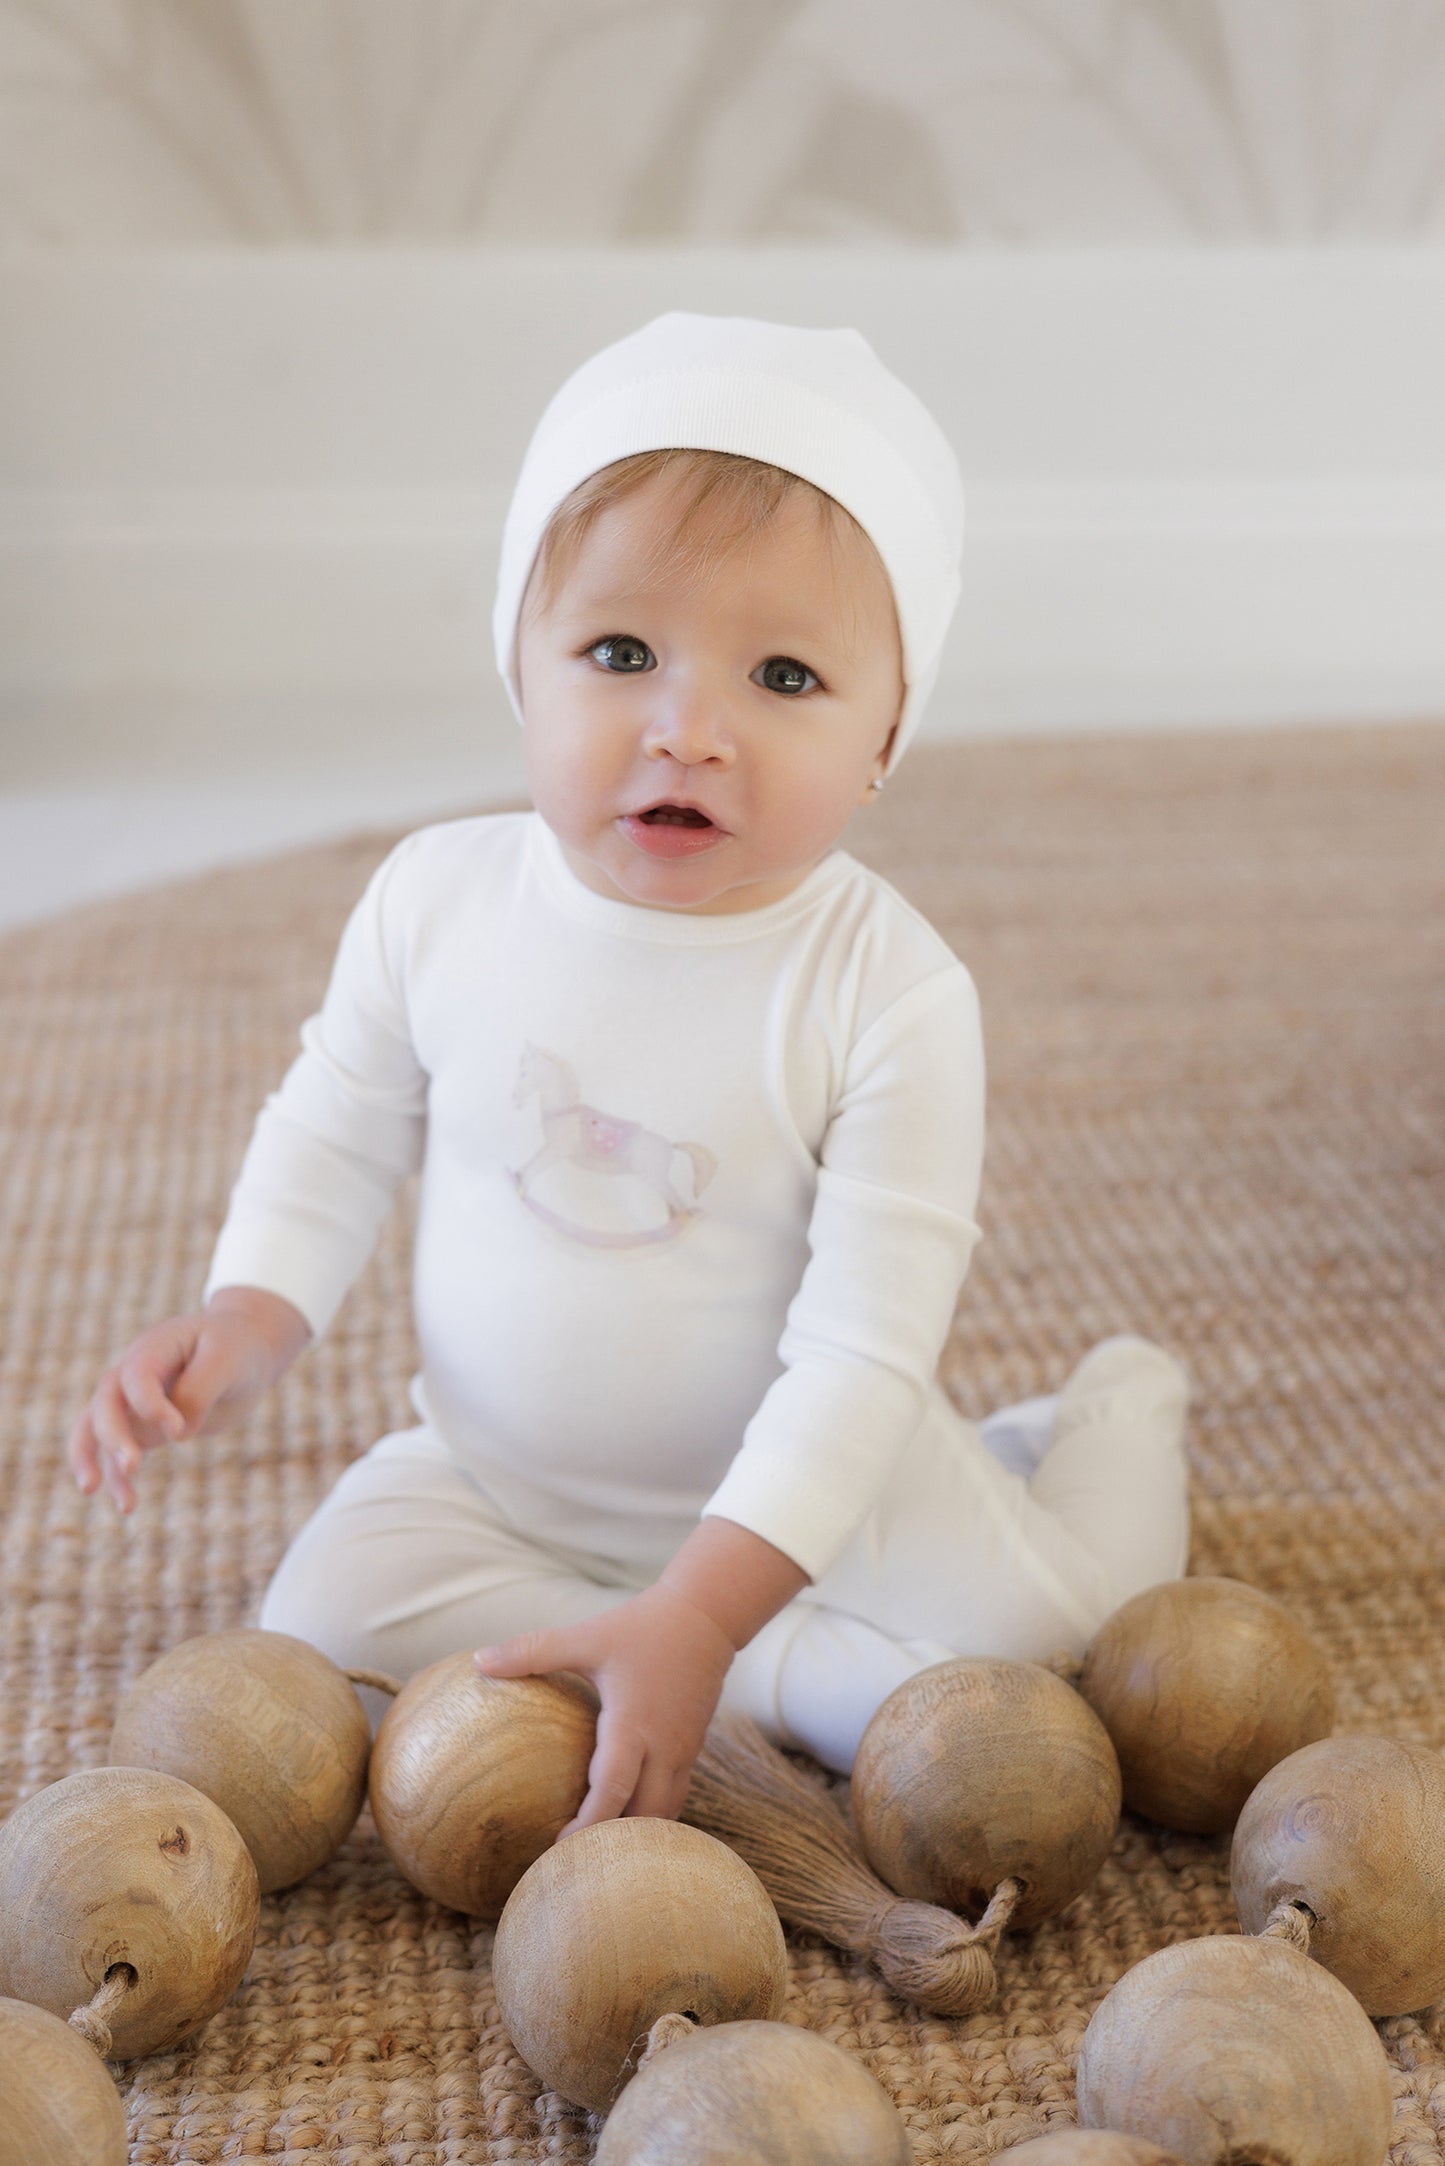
x,y
1204,486
283,289
721,122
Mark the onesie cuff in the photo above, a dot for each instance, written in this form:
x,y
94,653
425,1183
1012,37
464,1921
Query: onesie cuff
x,y
811,1528
239,1261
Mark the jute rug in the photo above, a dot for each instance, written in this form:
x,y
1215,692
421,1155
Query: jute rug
x,y
1213,979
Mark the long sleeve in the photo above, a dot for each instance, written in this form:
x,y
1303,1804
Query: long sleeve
x,y
334,1142
890,1238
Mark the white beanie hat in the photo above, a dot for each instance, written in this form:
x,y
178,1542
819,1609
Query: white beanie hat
x,y
817,403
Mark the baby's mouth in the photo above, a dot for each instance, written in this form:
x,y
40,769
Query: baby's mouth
x,y
674,816
673,831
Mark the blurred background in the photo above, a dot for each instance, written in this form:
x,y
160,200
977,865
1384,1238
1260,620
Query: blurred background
x,y
284,285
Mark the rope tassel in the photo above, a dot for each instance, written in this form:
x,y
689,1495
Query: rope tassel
x,y
800,1846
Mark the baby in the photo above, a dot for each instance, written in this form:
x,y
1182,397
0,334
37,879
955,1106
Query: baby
x,y
696,1101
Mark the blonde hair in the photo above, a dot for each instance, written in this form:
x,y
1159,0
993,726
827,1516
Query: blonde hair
x,y
725,499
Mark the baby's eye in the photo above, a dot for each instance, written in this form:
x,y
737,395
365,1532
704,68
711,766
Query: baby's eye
x,y
621,653
782,674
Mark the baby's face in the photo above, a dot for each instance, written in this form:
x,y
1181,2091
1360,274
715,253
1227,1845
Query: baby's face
x,y
766,696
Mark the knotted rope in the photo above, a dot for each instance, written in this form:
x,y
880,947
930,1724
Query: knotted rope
x,y
93,2020
669,2030
1289,1921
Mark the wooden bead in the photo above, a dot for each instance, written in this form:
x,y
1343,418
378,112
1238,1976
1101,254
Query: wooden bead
x,y
1203,1684
754,2094
981,1770
123,1866
1087,2147
1354,1828
61,2105
269,1728
473,1777
1226,2049
621,1922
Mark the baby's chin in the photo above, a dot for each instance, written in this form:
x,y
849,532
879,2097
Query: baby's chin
x,y
712,882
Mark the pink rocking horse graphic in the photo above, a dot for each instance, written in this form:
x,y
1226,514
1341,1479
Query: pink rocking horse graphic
x,y
598,1142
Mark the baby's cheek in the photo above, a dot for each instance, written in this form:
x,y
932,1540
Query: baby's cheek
x,y
816,807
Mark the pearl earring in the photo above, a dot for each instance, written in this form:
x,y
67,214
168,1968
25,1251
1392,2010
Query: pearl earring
x,y
876,783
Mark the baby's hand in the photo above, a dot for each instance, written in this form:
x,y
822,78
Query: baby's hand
x,y
658,1662
185,1377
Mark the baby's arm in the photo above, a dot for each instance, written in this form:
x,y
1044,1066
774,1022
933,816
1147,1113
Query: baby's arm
x,y
891,1233
659,1662
328,1150
188,1376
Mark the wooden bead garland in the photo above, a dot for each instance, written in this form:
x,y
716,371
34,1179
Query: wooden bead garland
x,y
624,1945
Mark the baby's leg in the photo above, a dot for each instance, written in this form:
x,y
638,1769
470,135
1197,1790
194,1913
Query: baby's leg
x,y
402,1563
1116,1474
964,1556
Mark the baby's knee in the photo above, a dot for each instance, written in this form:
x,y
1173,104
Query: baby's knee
x,y
319,1614
344,1571
329,1611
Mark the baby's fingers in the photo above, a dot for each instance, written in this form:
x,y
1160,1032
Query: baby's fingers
x,y
221,1374
532,1654
120,1449
660,1791
83,1454
612,1777
145,1395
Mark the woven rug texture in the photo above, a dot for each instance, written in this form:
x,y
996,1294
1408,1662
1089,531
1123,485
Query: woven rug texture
x,y
1213,979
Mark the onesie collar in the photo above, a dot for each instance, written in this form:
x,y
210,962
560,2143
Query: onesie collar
x,y
677,928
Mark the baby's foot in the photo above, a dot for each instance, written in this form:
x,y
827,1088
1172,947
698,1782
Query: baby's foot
x,y
1124,1382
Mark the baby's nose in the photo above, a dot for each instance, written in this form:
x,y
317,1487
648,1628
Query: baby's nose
x,y
692,729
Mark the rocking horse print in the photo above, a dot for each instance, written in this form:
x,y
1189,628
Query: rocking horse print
x,y
598,1142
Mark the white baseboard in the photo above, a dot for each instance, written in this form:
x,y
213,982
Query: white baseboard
x,y
1202,488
